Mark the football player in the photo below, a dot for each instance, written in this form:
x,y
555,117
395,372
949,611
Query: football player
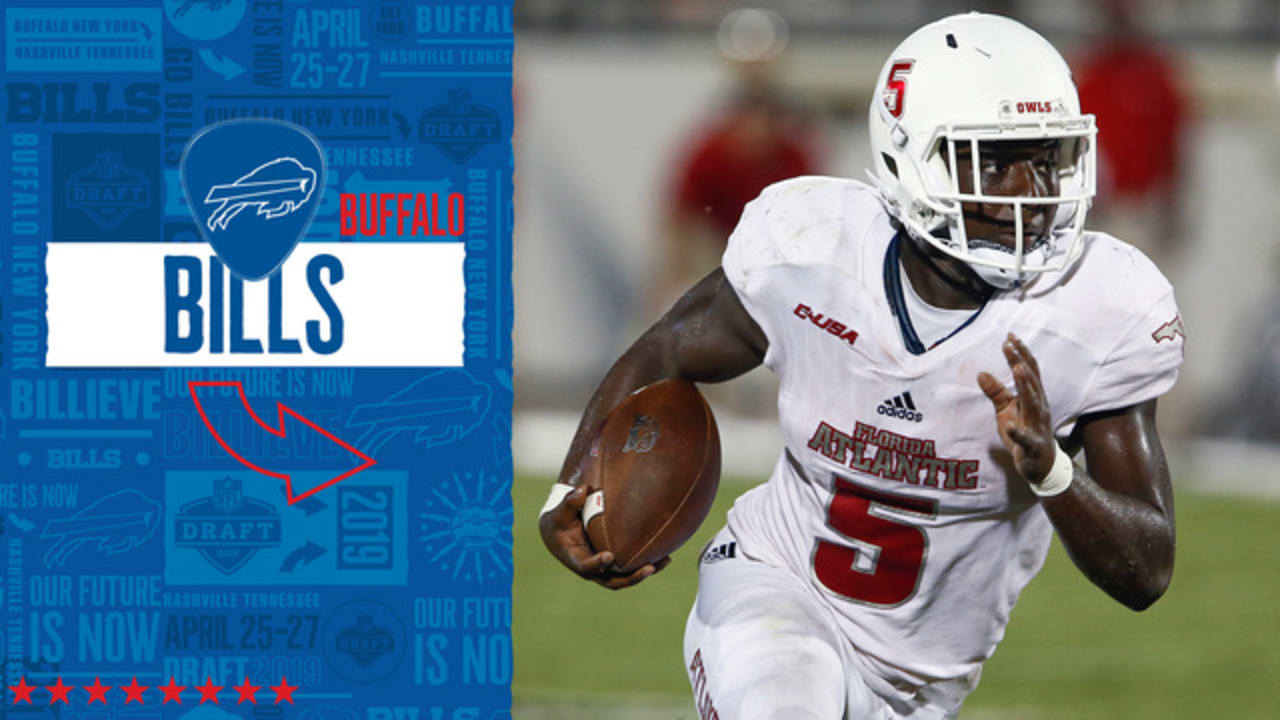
x,y
947,339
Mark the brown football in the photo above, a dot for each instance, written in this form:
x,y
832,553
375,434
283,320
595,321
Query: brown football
x,y
656,467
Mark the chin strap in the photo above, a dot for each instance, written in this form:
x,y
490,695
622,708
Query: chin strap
x,y
886,193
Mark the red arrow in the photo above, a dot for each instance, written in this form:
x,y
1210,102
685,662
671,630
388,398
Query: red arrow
x,y
281,409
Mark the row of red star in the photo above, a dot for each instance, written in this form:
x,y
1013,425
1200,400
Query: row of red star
x,y
133,691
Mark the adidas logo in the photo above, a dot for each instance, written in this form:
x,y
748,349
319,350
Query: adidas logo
x,y
902,407
720,552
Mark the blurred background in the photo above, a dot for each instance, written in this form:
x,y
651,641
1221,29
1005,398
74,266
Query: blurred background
x,y
642,127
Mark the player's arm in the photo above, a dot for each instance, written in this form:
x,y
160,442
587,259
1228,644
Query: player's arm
x,y
1115,518
706,337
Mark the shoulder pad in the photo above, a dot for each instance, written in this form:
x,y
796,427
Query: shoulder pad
x,y
1114,276
803,221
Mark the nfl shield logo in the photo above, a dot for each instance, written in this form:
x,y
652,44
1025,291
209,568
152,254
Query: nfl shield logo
x,y
643,435
227,495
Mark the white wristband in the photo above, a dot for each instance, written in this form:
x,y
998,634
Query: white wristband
x,y
1059,477
592,507
559,492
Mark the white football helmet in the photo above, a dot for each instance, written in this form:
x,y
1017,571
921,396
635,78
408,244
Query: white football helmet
x,y
974,78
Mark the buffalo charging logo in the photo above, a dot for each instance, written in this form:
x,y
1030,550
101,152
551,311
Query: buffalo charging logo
x,y
276,189
438,409
270,166
114,524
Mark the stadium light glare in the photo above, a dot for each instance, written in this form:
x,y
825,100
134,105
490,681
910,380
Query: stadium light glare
x,y
752,35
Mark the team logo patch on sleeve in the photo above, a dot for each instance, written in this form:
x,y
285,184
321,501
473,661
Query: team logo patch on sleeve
x,y
251,185
1169,331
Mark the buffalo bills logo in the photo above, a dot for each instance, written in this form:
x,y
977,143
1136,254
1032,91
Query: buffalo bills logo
x,y
114,524
276,189
270,168
437,409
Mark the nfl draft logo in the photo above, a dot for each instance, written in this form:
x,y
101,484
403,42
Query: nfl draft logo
x,y
365,642
108,192
460,128
227,528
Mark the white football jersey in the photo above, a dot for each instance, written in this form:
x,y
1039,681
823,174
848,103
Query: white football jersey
x,y
894,495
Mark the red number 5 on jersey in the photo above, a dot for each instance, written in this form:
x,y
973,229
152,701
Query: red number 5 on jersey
x,y
883,565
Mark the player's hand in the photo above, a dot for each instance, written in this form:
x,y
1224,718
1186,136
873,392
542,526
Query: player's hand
x,y
1022,418
564,536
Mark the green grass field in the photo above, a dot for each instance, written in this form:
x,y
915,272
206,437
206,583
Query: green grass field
x,y
1209,648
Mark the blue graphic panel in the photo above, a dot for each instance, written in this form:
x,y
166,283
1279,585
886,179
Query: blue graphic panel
x,y
353,186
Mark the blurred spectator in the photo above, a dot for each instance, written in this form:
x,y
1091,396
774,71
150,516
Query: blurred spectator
x,y
754,142
1133,88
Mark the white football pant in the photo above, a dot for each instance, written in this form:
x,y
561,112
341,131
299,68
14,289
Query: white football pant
x,y
759,646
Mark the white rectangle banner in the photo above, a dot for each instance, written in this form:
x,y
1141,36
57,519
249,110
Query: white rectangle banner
x,y
330,304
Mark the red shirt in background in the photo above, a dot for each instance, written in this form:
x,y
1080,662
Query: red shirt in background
x,y
733,160
1133,91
